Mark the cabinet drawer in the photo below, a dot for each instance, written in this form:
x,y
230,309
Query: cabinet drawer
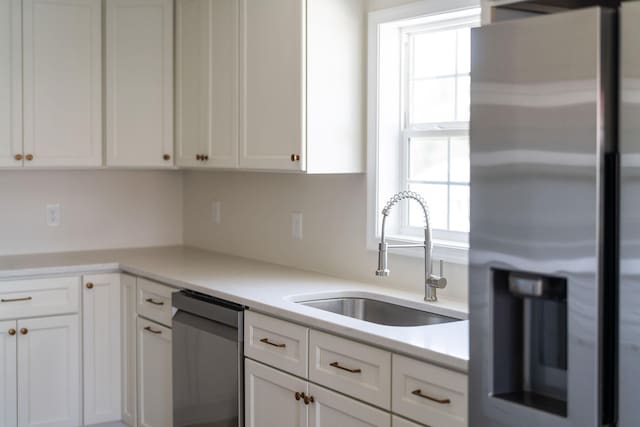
x,y
351,368
154,301
429,394
39,297
277,343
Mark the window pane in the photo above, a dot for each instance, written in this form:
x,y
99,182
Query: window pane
x,y
460,159
434,54
428,159
436,198
459,208
464,51
433,101
462,107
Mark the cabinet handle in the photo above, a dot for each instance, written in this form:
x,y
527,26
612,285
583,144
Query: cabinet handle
x,y
418,393
353,371
24,331
166,157
29,157
266,341
152,301
298,395
12,332
89,285
198,157
16,299
306,399
18,157
295,157
205,157
153,331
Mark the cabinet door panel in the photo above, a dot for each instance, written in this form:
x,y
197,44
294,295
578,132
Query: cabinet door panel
x,y
49,372
62,82
207,82
331,409
139,82
101,348
8,374
155,405
10,82
129,351
270,397
273,85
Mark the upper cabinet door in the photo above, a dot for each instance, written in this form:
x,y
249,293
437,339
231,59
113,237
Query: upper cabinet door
x,y
62,83
272,130
139,76
101,348
8,374
207,83
49,370
10,83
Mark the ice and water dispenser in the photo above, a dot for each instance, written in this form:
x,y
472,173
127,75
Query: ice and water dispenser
x,y
530,340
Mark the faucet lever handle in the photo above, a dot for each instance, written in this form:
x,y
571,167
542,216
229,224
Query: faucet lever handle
x,y
437,282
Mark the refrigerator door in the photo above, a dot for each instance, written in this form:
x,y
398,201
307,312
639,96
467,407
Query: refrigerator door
x,y
629,313
540,133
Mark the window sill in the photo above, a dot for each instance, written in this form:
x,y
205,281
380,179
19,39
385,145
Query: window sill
x,y
447,251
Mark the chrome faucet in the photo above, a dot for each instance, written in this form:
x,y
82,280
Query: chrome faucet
x,y
431,282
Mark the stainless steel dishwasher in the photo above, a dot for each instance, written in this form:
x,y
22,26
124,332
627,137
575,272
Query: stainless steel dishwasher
x,y
208,374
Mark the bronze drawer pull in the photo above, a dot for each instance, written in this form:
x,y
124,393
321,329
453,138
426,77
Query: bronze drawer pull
x,y
418,393
306,399
353,371
148,328
16,299
266,341
12,332
151,301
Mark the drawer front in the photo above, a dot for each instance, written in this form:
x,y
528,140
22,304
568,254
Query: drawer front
x,y
429,394
277,343
351,368
154,301
39,297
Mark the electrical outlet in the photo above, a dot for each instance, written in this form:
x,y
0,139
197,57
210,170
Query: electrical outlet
x,y
296,225
216,212
53,215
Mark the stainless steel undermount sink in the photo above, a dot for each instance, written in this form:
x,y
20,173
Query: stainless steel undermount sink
x,y
380,312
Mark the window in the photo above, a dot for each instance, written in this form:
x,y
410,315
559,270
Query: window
x,y
419,94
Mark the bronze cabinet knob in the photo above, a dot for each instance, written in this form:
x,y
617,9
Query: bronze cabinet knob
x,y
205,157
29,157
12,332
89,285
198,157
18,157
295,157
24,331
166,157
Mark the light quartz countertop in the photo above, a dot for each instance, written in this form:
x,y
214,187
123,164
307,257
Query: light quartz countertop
x,y
269,289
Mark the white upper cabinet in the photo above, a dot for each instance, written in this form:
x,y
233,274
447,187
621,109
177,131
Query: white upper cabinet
x,y
207,83
139,83
273,86
62,82
302,85
10,83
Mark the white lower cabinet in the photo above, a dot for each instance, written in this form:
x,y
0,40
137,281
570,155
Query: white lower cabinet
x,y
49,372
155,406
101,348
276,399
401,422
129,351
8,373
270,397
331,409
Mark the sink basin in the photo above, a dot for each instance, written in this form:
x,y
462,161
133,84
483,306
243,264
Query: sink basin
x,y
380,312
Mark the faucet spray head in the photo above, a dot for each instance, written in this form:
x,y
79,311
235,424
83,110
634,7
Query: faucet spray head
x,y
382,270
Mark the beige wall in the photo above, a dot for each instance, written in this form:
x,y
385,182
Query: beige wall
x,y
256,212
99,209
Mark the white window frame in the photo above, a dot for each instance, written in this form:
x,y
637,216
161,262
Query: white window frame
x,y
450,250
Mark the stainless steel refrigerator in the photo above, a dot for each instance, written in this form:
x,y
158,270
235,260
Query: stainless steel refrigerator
x,y
555,219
